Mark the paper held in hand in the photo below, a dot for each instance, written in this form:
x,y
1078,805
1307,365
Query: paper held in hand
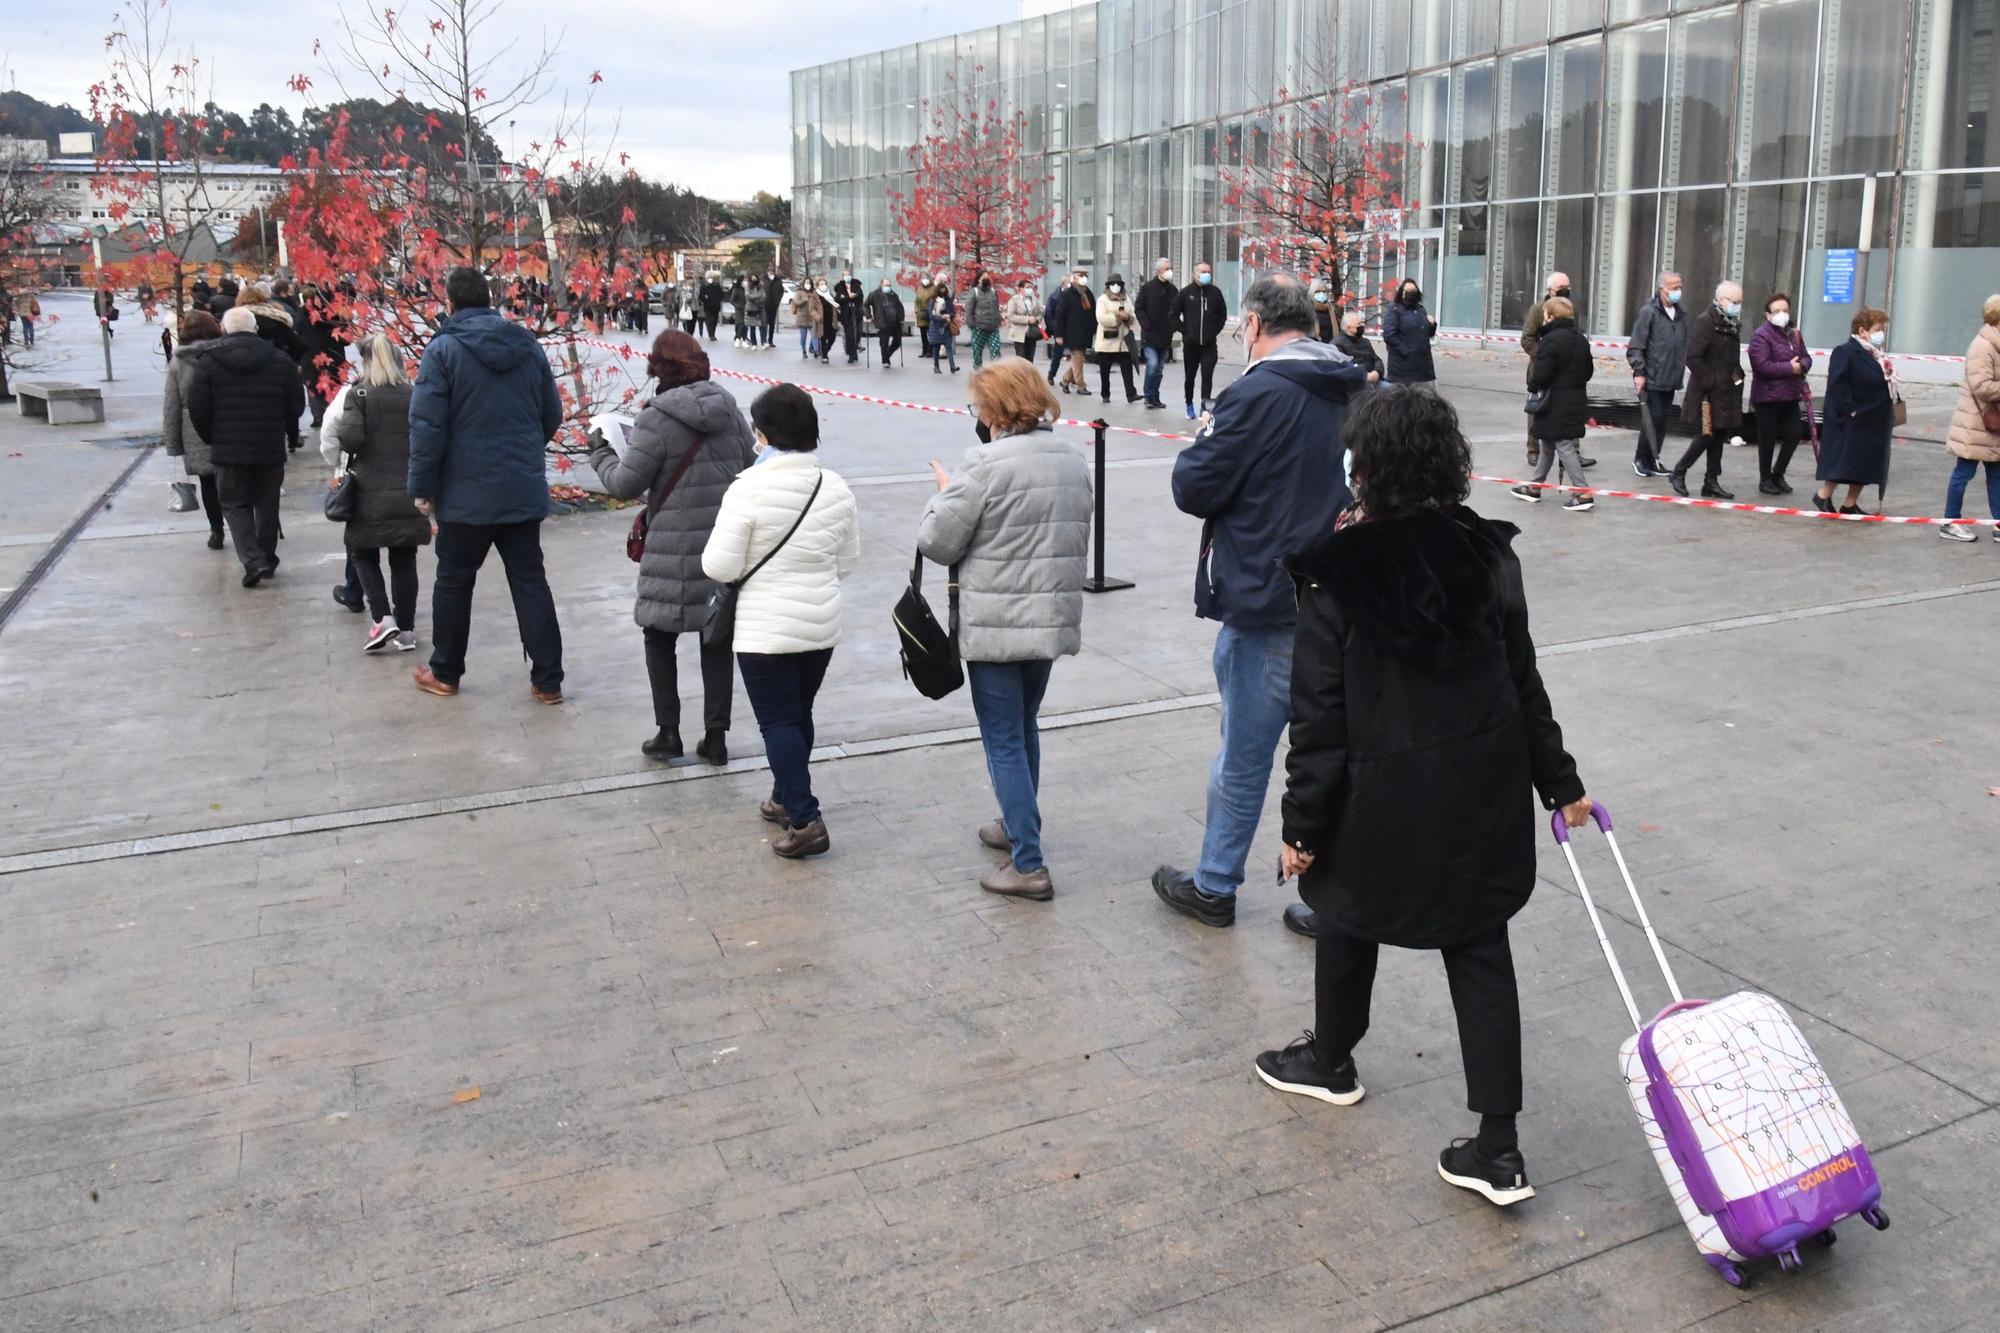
x,y
616,428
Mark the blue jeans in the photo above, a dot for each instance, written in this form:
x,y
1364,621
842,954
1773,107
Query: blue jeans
x,y
1961,473
1156,365
1006,697
1253,672
808,343
948,345
782,687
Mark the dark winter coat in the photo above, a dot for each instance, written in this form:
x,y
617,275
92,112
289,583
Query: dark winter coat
x,y
1658,346
1265,476
847,297
1052,314
326,354
1854,437
484,409
1715,373
982,310
886,309
672,589
182,439
1155,306
274,326
244,399
1562,367
1407,332
1420,731
1323,321
1359,350
774,296
711,299
1772,379
1201,315
374,427
1076,316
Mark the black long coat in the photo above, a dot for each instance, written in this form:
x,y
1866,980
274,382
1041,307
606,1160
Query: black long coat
x,y
1562,366
374,426
1076,314
1420,731
1860,417
1715,372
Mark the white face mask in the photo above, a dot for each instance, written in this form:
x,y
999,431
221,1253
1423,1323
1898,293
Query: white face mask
x,y
1167,275
1781,318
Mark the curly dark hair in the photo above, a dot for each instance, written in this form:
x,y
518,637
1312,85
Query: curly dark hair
x,y
1408,452
676,359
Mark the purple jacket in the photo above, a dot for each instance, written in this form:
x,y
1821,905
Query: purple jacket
x,y
1771,353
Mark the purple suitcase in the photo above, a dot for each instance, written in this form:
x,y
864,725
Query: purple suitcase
x,y
1754,1144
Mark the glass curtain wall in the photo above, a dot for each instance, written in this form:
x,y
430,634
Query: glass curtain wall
x,y
1606,138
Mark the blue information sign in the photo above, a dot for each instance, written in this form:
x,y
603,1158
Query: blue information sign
x,y
1839,288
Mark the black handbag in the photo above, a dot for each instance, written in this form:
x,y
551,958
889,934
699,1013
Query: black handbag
x,y
929,650
341,499
1536,401
718,625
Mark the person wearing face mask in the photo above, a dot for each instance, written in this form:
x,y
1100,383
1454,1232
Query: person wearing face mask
x,y
1076,316
1971,444
1407,331
1024,312
806,313
1013,524
942,335
1264,476
886,309
1052,328
1355,344
1155,308
1561,375
753,309
711,303
739,301
829,324
1657,353
1714,406
982,316
774,305
1531,336
926,289
1116,329
688,304
1778,365
847,296
1201,317
1861,394
1323,320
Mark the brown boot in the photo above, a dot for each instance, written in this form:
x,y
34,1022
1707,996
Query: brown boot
x,y
1009,882
772,812
800,842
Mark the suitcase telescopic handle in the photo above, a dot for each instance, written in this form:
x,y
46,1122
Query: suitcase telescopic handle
x,y
1603,817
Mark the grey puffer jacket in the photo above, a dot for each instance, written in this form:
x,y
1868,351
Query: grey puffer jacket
x,y
183,441
672,588
1016,521
982,310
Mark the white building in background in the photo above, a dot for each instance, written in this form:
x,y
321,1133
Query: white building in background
x,y
223,193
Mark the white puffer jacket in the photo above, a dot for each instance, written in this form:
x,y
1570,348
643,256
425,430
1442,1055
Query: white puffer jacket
x,y
793,604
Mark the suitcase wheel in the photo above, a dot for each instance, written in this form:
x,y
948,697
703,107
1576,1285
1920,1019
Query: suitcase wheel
x,y
1733,1275
1876,1218
1827,1237
1789,1260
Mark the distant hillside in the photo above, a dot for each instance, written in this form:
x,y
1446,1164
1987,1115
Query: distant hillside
x,y
25,117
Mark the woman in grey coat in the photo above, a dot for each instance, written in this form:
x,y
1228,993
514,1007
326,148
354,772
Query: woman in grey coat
x,y
1015,521
689,443
198,329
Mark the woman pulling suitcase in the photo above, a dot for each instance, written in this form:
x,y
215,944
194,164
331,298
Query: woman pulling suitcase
x,y
1410,818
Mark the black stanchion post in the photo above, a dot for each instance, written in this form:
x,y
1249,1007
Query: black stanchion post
x,y
1097,582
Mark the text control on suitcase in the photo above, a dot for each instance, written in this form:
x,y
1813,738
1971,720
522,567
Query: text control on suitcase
x,y
1744,1123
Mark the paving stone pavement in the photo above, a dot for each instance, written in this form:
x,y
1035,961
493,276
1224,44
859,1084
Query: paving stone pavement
x,y
567,1048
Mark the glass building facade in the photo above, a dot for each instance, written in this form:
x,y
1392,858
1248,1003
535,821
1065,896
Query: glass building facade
x,y
1607,138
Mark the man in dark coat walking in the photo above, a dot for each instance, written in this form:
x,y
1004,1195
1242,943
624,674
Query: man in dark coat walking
x,y
1264,476
1201,316
484,410
1657,353
885,307
711,304
1155,306
245,399
1052,327
847,296
1714,405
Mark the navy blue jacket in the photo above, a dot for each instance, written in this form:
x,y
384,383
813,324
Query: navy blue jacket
x,y
1266,476
1407,333
484,408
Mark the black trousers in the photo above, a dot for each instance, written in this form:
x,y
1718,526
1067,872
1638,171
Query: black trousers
x,y
1780,426
1483,996
461,550
709,320
1056,358
1659,405
1106,360
1200,360
1704,444
850,332
892,342
399,598
718,681
211,502
249,496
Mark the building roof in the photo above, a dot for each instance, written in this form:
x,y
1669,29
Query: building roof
x,y
754,234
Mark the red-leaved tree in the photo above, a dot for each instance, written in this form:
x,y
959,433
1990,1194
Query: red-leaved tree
x,y
1311,192
27,200
975,189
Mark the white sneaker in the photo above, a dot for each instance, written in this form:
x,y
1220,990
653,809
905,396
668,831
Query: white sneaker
x,y
1958,532
380,636
406,640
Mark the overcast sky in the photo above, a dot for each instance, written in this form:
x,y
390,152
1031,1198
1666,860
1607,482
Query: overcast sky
x,y
702,86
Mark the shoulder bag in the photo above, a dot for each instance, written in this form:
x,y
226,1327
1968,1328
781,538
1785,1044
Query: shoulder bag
x,y
929,651
635,539
340,501
718,625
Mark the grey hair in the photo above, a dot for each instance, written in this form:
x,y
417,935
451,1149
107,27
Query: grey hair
x,y
1665,273
1162,262
1727,285
1281,302
381,363
239,319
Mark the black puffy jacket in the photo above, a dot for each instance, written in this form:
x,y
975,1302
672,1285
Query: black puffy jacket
x,y
245,400
1421,731
1155,308
1563,366
374,426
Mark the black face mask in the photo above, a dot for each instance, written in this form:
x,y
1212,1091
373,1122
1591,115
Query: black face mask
x,y
1563,292
985,285
1413,298
979,429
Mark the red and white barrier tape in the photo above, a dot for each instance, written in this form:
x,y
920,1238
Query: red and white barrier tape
x,y
1690,502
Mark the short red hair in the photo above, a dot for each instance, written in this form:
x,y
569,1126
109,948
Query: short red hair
x,y
676,359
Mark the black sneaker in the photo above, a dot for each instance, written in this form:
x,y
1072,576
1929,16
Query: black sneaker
x,y
340,596
1503,1179
1177,890
1296,1069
